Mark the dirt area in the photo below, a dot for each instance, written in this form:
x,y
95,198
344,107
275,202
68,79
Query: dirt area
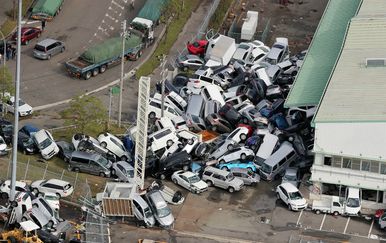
x,y
297,21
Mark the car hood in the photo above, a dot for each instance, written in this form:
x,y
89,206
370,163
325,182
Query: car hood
x,y
25,107
166,221
237,182
3,146
200,185
299,202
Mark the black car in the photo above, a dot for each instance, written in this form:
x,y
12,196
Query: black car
x,y
230,113
6,130
26,144
65,150
177,161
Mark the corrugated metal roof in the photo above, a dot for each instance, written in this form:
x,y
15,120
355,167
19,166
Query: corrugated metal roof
x,y
323,52
356,92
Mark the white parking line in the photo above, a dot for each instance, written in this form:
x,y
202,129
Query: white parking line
x,y
321,225
300,215
345,228
371,228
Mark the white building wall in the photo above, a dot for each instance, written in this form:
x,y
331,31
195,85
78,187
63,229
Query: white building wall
x,y
359,140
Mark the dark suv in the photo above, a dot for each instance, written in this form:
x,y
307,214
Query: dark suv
x,y
165,167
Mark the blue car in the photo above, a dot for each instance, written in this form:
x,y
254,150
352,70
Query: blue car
x,y
29,130
238,164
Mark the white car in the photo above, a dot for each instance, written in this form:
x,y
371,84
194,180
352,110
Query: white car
x,y
189,181
46,144
59,187
79,137
3,146
45,208
180,123
238,135
5,188
162,139
24,108
114,145
291,196
24,203
52,199
241,153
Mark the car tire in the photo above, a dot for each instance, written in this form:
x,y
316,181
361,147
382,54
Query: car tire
x,y
214,128
289,207
225,168
26,42
185,168
209,183
59,196
50,224
48,57
335,213
185,69
175,181
104,144
243,137
124,158
230,146
102,174
169,143
231,189
317,211
95,72
190,141
113,172
76,169
294,73
253,147
35,190
88,75
245,120
225,87
151,115
4,195
277,195
35,205
243,156
102,69
221,161
162,177
24,152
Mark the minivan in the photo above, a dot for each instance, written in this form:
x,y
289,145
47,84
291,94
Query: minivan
x,y
161,210
174,100
142,211
266,148
221,178
162,139
193,113
90,163
278,162
47,48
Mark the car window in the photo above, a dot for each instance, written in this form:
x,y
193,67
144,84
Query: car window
x,y
49,209
233,133
184,178
155,104
162,134
207,173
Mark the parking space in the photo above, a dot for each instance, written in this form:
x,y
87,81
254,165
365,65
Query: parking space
x,y
309,219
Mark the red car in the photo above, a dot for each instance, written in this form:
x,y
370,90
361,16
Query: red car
x,y
27,34
198,47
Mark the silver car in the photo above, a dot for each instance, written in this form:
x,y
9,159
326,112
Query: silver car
x,y
161,210
186,62
247,176
221,178
123,171
47,48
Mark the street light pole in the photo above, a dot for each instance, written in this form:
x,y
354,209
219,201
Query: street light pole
x,y
5,49
163,58
16,113
122,70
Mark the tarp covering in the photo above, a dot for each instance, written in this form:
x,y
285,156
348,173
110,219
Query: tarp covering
x,y
109,49
46,7
152,9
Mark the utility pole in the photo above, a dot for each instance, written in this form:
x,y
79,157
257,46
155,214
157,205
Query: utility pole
x,y
124,34
16,113
163,63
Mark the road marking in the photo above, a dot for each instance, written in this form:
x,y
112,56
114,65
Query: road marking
x,y
213,237
345,228
321,225
118,5
300,215
371,228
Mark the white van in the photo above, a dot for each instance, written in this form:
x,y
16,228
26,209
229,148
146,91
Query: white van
x,y
46,144
353,201
212,92
266,148
174,100
162,139
164,122
154,109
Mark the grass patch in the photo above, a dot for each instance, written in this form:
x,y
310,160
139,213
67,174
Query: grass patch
x,y
174,29
9,25
218,16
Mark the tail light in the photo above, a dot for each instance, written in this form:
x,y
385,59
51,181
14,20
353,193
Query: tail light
x,y
196,81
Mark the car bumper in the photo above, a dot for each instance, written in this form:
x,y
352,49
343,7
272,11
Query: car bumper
x,y
298,207
40,56
25,113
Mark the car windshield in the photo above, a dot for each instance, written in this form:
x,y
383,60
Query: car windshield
x,y
51,197
163,212
21,103
290,177
295,195
103,161
183,58
353,202
230,177
47,142
148,213
266,168
194,179
28,142
7,128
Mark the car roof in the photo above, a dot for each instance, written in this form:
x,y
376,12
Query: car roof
x,y
217,171
46,42
57,182
291,171
18,183
188,174
157,199
289,187
30,128
84,154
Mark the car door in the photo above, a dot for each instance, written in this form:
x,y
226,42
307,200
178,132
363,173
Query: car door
x,y
222,182
94,167
184,182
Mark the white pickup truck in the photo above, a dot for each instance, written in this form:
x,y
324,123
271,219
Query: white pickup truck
x,y
332,205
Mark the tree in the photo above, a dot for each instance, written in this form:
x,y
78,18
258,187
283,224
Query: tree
x,y
86,112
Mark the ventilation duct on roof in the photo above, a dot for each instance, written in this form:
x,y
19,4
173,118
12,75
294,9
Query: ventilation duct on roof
x,y
375,62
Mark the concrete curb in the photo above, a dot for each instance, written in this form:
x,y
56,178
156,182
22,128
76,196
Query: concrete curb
x,y
128,75
212,237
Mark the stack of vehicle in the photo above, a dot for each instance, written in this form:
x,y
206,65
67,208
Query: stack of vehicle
x,y
227,123
38,205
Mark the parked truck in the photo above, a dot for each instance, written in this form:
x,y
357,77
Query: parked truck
x,y
46,9
220,51
98,58
334,205
248,29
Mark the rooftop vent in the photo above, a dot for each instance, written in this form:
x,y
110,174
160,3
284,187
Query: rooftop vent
x,y
375,62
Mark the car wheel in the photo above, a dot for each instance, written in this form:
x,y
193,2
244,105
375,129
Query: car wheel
x,y
104,144
139,53
225,168
35,205
102,69
230,146
4,195
277,195
50,224
175,181
88,75
250,169
209,183
113,172
169,143
231,189
124,158
190,141
289,207
95,72
63,49
24,151
152,115
76,169
225,87
243,137
162,177
102,174
253,147
243,156
48,57
245,120
23,219
214,128
294,73
35,190
58,195
185,168
185,69
317,211
221,161
335,213
14,204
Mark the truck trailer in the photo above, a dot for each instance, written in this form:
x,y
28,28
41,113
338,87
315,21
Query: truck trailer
x,y
46,9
